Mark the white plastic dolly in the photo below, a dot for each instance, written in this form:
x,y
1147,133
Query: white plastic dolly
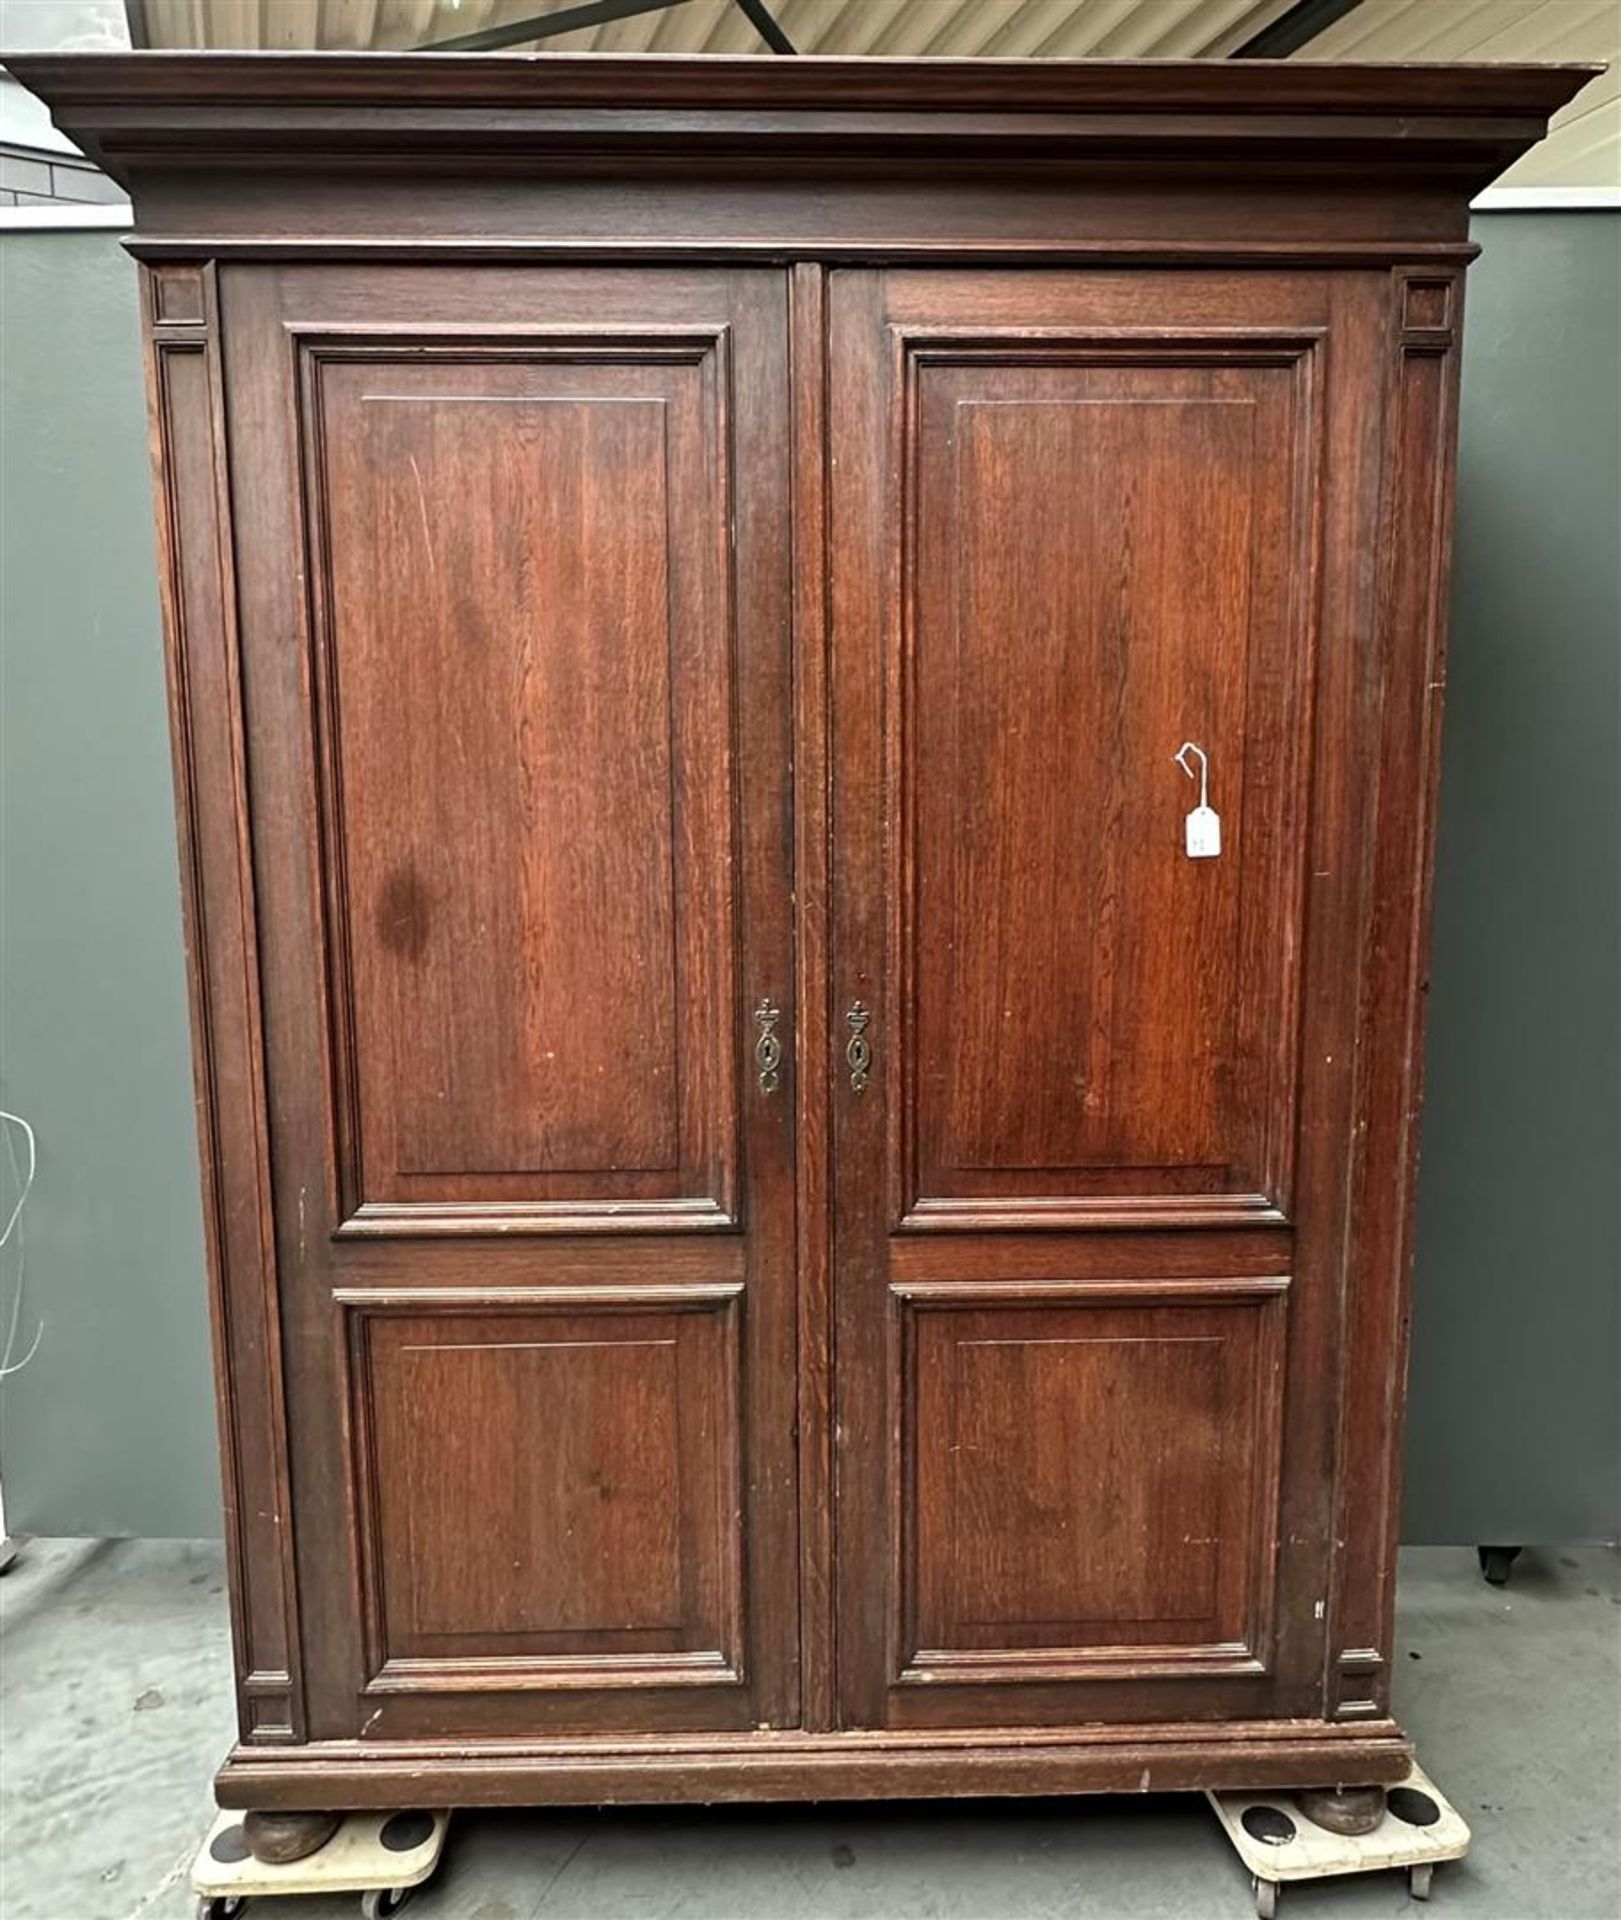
x,y
380,1856
1275,1840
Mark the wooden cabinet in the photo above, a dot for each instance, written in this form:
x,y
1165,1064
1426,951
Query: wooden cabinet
x,y
777,1228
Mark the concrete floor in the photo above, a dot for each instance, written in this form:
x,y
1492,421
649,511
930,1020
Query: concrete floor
x,y
114,1706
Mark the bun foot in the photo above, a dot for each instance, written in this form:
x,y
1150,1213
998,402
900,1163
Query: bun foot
x,y
1345,1810
278,1839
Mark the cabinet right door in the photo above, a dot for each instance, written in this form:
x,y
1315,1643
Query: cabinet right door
x,y
1099,558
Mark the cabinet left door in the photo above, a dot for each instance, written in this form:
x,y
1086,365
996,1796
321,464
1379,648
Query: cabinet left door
x,y
505,595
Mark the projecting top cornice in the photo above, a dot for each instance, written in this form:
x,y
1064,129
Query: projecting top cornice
x,y
129,107
187,131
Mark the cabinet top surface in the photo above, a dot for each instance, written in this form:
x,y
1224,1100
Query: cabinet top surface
x,y
722,83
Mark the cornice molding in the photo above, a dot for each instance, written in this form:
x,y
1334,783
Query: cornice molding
x,y
333,111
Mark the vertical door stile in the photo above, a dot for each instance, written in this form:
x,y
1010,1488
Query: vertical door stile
x,y
808,372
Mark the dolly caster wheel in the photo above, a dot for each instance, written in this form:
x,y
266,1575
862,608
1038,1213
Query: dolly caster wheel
x,y
1266,1898
382,1902
1419,1879
1495,1563
221,1906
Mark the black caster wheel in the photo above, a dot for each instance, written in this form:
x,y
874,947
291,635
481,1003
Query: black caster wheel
x,y
1266,1898
1419,1879
221,1906
1495,1563
383,1902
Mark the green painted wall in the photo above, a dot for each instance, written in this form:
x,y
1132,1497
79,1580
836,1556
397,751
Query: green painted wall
x,y
1515,1415
1514,1427
110,1429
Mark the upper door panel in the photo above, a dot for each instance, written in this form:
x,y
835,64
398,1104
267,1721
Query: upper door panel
x,y
525,698
1108,546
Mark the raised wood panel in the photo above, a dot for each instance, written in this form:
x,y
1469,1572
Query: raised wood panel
x,y
1108,552
525,702
1089,1484
583,1530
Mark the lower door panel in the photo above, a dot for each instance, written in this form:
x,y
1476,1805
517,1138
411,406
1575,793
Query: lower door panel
x,y
1089,1489
550,1495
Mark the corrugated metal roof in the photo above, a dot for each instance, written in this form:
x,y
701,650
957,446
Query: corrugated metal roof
x,y
1584,150
1123,29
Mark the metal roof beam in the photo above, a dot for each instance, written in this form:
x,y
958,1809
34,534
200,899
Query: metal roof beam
x,y
1293,29
766,25
546,26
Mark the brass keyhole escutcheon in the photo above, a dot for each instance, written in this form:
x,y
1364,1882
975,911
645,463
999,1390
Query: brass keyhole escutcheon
x,y
768,1048
859,1051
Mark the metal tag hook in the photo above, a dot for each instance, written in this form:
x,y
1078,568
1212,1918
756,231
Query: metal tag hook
x,y
1203,775
1203,826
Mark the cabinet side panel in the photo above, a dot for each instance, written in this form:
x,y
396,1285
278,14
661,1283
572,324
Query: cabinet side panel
x,y
194,547
1415,537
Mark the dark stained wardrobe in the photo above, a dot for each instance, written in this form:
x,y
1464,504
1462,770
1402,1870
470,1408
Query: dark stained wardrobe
x,y
782,1222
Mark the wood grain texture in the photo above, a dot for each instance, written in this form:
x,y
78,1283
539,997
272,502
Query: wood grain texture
x,y
1415,538
1088,1489
812,855
1090,1015
132,112
581,1532
197,578
501,748
842,1766
1050,924
644,539
525,698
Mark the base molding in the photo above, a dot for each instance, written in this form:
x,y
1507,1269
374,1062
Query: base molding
x,y
859,1765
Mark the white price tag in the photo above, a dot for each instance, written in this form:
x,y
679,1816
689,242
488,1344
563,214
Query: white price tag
x,y
1204,833
1204,823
